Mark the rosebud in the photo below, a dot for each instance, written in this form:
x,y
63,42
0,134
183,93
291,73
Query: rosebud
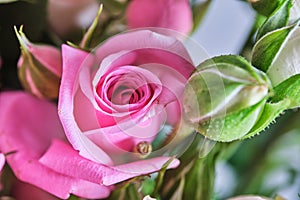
x,y
224,98
40,68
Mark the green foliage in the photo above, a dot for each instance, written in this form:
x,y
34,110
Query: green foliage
x,y
269,46
278,19
290,88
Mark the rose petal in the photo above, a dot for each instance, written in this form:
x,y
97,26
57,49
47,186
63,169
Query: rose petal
x,y
72,62
141,39
28,125
2,161
60,155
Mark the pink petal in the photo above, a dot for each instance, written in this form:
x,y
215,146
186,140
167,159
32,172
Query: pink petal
x,y
2,161
28,125
141,39
60,155
73,59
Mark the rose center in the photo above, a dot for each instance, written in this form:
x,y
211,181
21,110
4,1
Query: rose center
x,y
125,95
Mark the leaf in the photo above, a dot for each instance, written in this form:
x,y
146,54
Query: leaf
x,y
232,127
265,7
270,113
278,19
290,88
269,46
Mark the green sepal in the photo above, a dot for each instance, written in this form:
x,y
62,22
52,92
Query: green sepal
x,y
86,40
270,113
237,61
266,7
232,127
278,19
290,88
269,46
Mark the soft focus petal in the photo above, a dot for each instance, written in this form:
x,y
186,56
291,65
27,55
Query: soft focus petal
x,y
98,173
171,14
68,16
21,190
2,161
28,125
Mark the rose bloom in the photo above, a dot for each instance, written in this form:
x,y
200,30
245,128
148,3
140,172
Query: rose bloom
x,y
112,105
171,14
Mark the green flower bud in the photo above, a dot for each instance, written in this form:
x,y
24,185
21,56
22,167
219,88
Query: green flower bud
x,y
225,97
39,68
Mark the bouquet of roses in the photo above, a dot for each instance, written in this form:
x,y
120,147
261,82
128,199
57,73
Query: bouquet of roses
x,y
131,107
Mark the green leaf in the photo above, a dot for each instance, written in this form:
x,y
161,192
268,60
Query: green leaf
x,y
269,46
290,88
270,113
232,127
278,19
265,7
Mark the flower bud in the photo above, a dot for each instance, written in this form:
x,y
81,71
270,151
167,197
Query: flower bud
x,y
224,98
40,68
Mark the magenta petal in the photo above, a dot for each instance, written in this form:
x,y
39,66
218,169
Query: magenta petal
x,y
28,125
141,167
141,39
60,155
2,161
72,63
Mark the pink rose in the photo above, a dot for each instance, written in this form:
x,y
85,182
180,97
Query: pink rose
x,y
112,105
31,129
171,14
